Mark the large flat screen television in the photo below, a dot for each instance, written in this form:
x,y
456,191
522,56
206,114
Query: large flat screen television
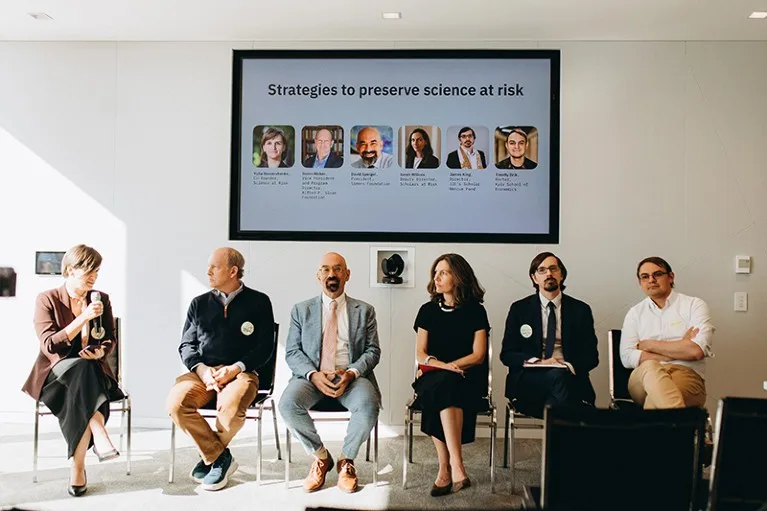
x,y
395,145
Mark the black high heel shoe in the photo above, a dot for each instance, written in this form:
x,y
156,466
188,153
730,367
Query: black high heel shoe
x,y
78,491
109,455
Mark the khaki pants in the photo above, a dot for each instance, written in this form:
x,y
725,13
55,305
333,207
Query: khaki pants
x,y
655,385
189,394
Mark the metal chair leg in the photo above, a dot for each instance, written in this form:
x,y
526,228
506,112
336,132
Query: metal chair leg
x,y
367,450
130,413
287,458
260,447
506,439
36,441
410,444
405,444
375,455
512,470
172,467
122,423
276,431
492,455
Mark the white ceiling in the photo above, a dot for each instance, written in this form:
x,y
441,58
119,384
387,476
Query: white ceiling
x,y
360,20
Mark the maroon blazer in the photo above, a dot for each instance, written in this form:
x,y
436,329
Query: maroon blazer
x,y
53,312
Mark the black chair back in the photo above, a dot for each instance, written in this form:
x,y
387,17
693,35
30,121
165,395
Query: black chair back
x,y
266,374
739,473
619,375
597,459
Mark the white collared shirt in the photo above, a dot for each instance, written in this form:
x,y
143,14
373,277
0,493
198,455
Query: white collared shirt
x,y
647,321
342,315
558,353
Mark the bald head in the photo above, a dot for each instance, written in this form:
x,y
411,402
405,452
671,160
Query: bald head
x,y
333,274
369,145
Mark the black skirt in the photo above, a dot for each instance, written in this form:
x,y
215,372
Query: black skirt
x,y
437,390
74,391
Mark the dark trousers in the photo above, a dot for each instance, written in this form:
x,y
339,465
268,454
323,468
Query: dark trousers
x,y
533,389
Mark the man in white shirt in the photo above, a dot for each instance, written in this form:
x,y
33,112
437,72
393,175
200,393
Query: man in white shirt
x,y
666,338
332,349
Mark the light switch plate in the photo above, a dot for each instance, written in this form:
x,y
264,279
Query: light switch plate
x,y
741,302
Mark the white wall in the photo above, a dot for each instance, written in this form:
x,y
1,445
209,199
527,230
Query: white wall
x,y
125,146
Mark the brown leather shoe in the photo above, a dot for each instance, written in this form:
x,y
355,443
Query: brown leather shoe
x,y
347,476
316,478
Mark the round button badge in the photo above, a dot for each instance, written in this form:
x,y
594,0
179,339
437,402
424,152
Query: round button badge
x,y
526,331
247,328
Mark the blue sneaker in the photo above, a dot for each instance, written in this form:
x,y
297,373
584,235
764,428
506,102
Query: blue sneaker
x,y
199,471
219,473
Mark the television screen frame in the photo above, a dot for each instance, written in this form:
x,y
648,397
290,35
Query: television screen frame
x,y
53,257
236,233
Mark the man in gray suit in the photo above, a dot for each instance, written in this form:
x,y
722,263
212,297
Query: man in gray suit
x,y
332,349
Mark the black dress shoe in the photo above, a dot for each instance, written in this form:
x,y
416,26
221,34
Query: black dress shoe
x,y
439,491
78,491
461,485
109,455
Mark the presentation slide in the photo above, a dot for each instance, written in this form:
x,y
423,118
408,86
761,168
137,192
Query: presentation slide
x,y
430,146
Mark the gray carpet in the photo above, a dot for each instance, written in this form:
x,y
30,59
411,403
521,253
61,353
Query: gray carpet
x,y
147,487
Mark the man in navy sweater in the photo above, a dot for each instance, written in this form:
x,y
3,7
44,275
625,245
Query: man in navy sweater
x,y
228,337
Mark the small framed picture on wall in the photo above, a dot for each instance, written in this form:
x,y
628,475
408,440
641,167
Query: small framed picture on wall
x,y
48,263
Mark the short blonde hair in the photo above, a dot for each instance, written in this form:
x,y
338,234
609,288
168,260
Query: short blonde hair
x,y
81,257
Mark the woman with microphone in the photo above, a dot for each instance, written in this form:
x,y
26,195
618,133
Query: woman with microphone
x,y
71,377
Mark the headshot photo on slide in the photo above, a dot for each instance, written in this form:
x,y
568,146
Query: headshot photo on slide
x,y
372,147
419,147
468,147
273,146
516,147
322,146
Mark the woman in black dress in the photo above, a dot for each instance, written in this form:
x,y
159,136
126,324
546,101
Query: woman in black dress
x,y
452,333
76,384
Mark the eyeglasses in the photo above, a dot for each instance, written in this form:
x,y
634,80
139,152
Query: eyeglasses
x,y
543,269
325,270
466,135
644,277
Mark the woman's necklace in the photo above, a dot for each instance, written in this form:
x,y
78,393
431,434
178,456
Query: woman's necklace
x,y
445,307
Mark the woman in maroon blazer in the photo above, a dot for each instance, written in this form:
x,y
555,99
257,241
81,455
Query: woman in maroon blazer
x,y
76,384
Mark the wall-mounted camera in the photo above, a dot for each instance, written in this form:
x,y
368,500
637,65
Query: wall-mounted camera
x,y
7,282
392,266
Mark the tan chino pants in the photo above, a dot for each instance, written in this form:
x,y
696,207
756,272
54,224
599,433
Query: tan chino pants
x,y
189,394
655,385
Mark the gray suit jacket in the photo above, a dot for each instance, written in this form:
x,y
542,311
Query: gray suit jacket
x,y
304,345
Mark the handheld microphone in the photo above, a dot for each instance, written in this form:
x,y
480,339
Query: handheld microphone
x,y
98,332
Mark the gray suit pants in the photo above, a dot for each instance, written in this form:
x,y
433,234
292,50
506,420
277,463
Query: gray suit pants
x,y
360,398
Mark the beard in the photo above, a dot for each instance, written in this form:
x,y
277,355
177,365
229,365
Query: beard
x,y
332,284
551,285
369,157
